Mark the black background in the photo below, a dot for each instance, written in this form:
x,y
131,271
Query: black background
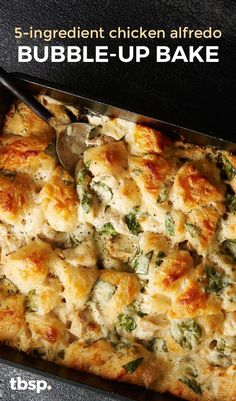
x,y
195,95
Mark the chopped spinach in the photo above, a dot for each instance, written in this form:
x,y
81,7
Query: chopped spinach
x,y
170,224
102,292
141,263
192,229
86,201
158,345
135,308
108,229
226,347
132,223
84,194
187,333
82,174
230,247
102,190
131,366
126,322
228,169
223,349
192,384
119,344
87,163
215,281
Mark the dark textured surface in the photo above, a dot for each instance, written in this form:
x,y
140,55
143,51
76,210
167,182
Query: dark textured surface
x,y
58,391
198,96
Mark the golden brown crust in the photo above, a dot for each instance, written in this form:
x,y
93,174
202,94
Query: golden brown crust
x,y
127,289
194,302
59,201
101,359
173,269
13,197
148,140
107,159
193,188
221,387
28,266
12,317
22,121
27,156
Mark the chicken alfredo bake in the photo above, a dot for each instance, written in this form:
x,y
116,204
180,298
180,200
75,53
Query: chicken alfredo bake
x,y
127,269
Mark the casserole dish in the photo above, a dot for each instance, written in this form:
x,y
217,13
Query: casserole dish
x,y
101,108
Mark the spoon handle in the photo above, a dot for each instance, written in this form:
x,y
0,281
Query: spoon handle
x,y
10,83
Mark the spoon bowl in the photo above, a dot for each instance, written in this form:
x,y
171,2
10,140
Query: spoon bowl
x,y
70,143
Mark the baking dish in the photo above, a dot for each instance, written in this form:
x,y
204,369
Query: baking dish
x,y
35,87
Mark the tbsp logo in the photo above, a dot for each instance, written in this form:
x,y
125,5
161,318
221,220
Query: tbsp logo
x,y
33,385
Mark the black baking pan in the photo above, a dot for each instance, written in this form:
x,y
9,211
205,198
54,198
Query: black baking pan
x,y
119,391
36,85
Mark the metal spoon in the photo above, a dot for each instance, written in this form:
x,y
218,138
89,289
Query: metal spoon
x,y
70,138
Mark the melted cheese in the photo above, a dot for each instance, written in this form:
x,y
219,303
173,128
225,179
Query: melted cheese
x,y
77,282
173,269
107,159
25,155
13,199
143,140
28,267
48,333
22,121
149,173
125,289
59,201
193,302
12,318
192,188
